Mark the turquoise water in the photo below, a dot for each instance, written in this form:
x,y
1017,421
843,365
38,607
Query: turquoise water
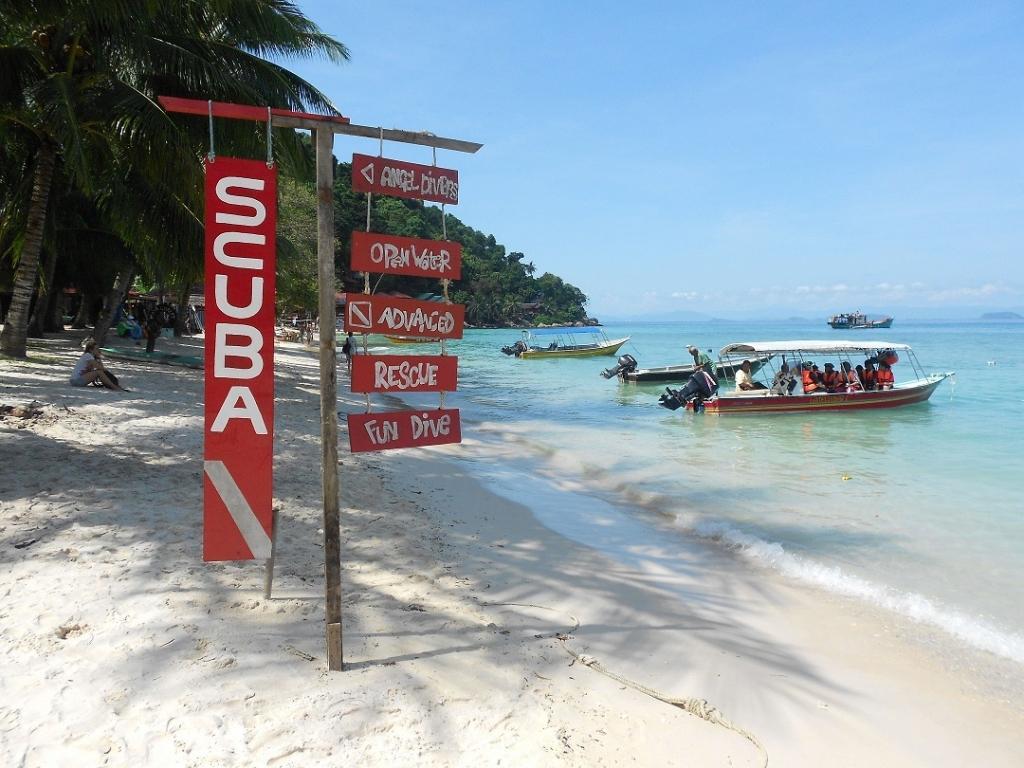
x,y
928,522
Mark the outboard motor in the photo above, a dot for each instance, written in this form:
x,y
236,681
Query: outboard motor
x,y
626,364
699,388
516,349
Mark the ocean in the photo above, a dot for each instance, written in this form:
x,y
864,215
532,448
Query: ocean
x,y
917,510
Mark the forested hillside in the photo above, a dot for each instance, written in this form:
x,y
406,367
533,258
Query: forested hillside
x,y
498,287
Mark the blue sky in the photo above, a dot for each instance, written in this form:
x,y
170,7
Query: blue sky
x,y
724,158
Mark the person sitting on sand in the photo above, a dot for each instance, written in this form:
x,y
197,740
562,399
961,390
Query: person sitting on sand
x,y
89,370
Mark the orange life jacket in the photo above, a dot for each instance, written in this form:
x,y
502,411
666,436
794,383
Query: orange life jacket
x,y
870,378
850,378
884,377
807,376
830,379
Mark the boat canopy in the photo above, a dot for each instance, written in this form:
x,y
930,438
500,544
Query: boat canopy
x,y
810,347
563,331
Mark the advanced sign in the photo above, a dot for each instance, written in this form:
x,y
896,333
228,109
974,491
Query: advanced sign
x,y
393,255
403,317
404,373
403,429
384,176
238,447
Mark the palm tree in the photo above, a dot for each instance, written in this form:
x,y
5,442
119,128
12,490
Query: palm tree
x,y
78,82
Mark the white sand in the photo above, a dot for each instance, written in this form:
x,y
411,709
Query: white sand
x,y
121,647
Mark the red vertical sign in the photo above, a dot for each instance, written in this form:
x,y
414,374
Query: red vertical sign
x,y
241,219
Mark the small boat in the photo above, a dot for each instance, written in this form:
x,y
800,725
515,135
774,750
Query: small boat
x,y
587,341
164,358
857,320
627,369
408,340
771,398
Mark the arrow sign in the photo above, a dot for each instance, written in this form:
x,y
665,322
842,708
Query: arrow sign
x,y
384,176
403,317
374,252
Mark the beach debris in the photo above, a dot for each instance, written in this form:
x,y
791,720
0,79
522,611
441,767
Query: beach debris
x,y
847,477
31,410
415,607
66,630
301,654
25,543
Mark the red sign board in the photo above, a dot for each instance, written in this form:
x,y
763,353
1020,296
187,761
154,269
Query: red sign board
x,y
403,429
403,317
384,176
241,219
405,373
373,252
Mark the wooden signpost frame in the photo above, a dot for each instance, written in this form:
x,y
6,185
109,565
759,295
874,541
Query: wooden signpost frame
x,y
323,128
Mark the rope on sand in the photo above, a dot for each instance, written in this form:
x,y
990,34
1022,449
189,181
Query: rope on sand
x,y
697,707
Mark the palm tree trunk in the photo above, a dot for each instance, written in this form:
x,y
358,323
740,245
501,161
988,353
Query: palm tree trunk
x,y
37,325
84,308
54,321
13,337
181,321
112,302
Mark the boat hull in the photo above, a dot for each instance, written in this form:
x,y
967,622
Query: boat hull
x,y
408,340
589,351
908,394
886,323
681,373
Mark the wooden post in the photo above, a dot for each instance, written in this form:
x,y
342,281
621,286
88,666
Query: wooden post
x,y
268,576
328,392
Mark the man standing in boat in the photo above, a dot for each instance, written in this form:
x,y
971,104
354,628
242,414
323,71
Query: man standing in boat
x,y
701,360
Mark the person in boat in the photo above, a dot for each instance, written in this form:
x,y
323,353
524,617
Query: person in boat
x,y
784,382
701,360
808,378
884,378
849,378
830,379
744,379
870,377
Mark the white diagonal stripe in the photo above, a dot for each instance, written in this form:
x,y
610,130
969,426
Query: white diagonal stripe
x,y
255,537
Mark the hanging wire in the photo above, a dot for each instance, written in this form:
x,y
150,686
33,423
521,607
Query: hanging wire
x,y
270,143
209,107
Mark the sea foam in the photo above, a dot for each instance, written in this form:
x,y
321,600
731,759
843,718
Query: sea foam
x,y
974,631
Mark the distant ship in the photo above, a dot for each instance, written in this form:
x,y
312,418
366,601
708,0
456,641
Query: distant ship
x,y
854,320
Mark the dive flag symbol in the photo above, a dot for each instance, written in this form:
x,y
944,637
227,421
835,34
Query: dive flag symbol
x,y
360,315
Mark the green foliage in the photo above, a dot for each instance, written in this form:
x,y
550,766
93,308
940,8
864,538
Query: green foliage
x,y
296,246
498,288
78,83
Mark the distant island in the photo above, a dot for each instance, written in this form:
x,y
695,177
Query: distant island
x,y
1002,316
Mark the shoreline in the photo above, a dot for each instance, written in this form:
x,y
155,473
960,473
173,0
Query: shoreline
x,y
178,662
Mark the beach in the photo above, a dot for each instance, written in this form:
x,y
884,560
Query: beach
x,y
463,601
